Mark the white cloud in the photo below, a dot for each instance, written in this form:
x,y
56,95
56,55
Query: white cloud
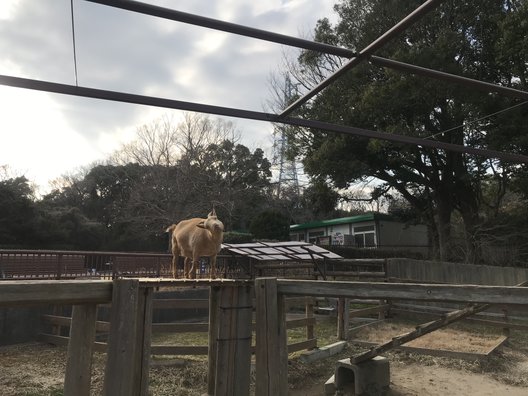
x,y
46,135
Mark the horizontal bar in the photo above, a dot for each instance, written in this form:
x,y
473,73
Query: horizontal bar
x,y
247,114
55,292
167,13
468,82
192,19
365,52
423,292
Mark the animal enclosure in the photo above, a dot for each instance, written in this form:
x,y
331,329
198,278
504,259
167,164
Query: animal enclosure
x,y
229,348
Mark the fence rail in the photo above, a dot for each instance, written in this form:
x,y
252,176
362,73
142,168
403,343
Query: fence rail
x,y
58,323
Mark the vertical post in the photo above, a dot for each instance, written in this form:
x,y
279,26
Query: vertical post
x,y
143,341
271,350
129,340
80,348
214,294
343,317
233,360
506,330
309,310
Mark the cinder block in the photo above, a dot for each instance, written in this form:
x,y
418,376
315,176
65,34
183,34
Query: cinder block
x,y
370,378
329,386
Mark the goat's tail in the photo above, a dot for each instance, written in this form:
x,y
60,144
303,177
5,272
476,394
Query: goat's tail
x,y
170,228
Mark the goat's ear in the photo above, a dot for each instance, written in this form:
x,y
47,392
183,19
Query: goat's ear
x,y
201,224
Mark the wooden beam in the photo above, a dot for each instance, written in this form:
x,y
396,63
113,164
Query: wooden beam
x,y
342,318
423,329
271,352
143,341
214,300
63,292
122,345
233,359
425,292
80,349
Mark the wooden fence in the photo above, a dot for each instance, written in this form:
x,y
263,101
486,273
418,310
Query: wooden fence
x,y
230,324
272,367
61,324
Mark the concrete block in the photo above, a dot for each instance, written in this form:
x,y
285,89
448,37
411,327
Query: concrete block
x,y
329,386
370,378
323,352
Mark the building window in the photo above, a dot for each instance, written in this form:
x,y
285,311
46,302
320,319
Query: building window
x,y
312,236
364,239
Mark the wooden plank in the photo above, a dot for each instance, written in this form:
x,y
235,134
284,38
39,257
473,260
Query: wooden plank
x,y
271,352
310,326
80,348
476,319
143,340
367,311
66,321
424,292
426,328
121,355
302,345
44,292
214,300
180,304
63,341
342,318
471,356
233,360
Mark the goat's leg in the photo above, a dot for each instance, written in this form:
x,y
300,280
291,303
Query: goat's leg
x,y
186,269
175,257
212,270
192,274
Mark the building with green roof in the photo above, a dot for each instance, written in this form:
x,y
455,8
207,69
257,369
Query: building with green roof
x,y
369,230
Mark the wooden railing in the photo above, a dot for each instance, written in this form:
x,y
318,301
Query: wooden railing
x,y
61,324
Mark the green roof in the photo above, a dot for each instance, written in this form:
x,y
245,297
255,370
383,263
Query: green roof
x,y
341,220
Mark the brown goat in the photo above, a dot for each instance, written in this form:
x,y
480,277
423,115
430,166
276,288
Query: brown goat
x,y
195,238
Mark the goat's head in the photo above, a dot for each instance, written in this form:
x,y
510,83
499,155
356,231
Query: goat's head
x,y
212,223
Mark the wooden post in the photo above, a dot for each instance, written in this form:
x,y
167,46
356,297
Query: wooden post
x,y
128,351
80,348
309,310
271,348
342,318
143,341
233,360
214,294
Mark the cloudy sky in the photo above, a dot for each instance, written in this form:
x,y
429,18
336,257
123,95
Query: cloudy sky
x,y
44,135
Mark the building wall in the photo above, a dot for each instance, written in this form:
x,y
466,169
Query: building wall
x,y
367,234
398,234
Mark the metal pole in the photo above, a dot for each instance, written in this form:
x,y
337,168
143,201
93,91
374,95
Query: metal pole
x,y
364,53
468,82
251,115
174,15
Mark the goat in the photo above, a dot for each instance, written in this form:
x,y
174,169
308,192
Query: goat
x,y
195,238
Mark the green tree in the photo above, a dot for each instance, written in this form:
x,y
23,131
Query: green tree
x,y
485,40
270,225
17,213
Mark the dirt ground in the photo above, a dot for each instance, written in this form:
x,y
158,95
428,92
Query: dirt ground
x,y
38,369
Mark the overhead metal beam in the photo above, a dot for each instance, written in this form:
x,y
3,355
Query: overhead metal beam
x,y
365,52
247,114
167,13
174,15
468,82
